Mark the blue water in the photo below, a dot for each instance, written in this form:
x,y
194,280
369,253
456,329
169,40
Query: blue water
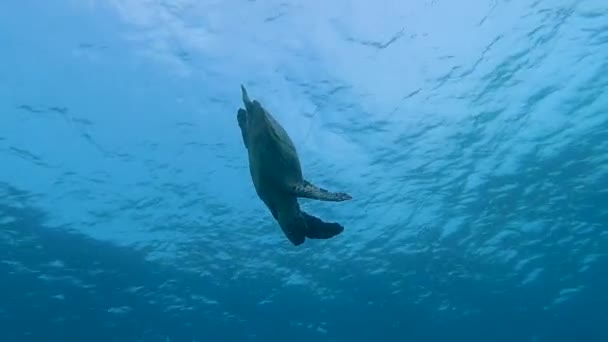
x,y
473,137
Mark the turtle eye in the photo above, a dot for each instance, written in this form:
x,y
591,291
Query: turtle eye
x,y
241,116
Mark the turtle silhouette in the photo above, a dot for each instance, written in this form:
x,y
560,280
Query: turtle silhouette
x,y
277,175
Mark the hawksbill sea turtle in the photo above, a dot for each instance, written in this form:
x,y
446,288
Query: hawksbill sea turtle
x,y
277,175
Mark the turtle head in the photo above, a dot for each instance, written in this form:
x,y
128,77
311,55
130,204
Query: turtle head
x,y
256,114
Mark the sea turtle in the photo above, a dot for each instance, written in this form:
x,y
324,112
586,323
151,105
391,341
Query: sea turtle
x,y
277,175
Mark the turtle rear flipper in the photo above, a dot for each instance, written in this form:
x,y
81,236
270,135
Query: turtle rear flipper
x,y
309,190
318,229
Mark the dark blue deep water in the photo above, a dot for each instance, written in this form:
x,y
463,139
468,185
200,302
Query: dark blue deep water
x,y
472,135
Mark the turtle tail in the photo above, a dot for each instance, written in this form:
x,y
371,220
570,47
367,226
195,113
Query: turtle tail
x,y
318,229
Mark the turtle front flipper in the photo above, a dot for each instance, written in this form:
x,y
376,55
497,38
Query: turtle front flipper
x,y
318,229
308,190
245,96
292,224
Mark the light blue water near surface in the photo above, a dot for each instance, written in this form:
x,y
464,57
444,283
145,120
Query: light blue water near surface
x,y
473,137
